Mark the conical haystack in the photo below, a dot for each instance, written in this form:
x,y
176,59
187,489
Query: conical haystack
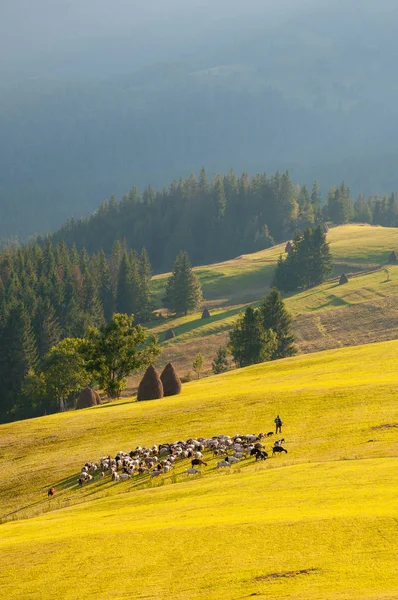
x,y
169,335
88,397
151,387
393,257
343,279
171,381
206,314
288,247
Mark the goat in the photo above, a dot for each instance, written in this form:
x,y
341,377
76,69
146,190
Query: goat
x,y
261,455
197,462
51,492
278,449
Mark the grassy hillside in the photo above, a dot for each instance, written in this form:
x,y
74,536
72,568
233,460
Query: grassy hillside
x,y
316,523
369,309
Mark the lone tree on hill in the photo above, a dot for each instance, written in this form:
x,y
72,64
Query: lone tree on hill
x,y
198,364
170,380
151,387
249,342
275,316
116,350
61,374
183,292
220,363
309,263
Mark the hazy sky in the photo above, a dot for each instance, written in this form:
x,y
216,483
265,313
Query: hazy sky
x,y
34,33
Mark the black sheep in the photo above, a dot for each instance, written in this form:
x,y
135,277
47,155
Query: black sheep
x,y
278,449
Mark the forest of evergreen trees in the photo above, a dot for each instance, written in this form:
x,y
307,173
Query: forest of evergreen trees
x,y
54,292
220,219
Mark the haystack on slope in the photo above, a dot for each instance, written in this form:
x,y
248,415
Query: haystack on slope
x,y
151,387
206,314
288,247
169,335
88,397
343,279
170,380
393,257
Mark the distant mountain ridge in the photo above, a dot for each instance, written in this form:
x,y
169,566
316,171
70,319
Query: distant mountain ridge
x,y
311,92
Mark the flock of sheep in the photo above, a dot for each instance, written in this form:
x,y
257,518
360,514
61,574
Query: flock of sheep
x,y
161,458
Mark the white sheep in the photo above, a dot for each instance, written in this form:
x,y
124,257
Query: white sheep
x,y
193,471
223,463
155,473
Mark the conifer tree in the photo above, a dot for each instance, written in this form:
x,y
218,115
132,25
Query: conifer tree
x,y
183,292
145,299
47,327
127,287
220,363
249,342
275,316
106,294
18,354
309,262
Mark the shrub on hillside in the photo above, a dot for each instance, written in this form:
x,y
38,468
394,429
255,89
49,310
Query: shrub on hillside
x,y
151,387
88,397
170,380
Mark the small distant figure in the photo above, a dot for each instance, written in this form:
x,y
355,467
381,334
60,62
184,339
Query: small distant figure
x,y
51,492
278,424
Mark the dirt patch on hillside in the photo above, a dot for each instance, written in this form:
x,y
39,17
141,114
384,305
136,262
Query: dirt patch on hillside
x,y
385,426
363,323
283,574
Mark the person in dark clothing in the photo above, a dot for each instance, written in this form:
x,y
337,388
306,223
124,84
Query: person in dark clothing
x,y
278,424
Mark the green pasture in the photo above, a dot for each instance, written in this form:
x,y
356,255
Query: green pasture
x,y
248,277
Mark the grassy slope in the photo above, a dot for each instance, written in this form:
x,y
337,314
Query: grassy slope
x,y
326,508
370,312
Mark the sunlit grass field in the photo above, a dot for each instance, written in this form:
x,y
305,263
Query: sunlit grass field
x,y
369,311
247,278
317,523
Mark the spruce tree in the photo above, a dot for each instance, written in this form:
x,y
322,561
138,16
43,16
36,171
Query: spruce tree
x,y
220,363
145,304
275,316
106,294
128,286
18,354
183,291
46,327
308,264
249,342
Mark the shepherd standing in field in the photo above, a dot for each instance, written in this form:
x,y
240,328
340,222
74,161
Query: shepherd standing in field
x,y
278,424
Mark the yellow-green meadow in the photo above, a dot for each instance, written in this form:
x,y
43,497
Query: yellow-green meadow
x,y
316,523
